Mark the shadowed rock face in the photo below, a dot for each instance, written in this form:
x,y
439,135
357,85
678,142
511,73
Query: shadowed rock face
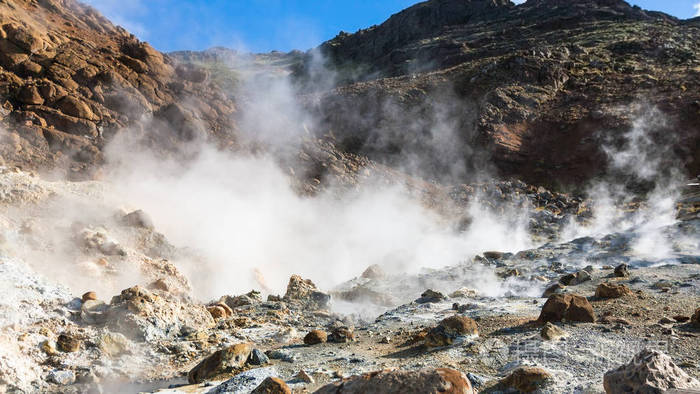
x,y
70,79
538,88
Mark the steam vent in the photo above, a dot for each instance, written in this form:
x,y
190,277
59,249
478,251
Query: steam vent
x,y
462,196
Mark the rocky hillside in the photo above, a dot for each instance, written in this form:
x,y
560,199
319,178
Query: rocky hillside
x,y
538,87
70,80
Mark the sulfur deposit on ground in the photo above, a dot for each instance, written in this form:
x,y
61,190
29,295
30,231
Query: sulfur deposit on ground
x,y
142,330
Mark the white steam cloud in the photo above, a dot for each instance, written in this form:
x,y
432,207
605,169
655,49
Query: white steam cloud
x,y
253,230
639,159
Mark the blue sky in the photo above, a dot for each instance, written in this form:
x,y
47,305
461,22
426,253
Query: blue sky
x,y
264,25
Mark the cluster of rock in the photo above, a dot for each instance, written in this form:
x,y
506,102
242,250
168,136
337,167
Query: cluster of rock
x,y
513,82
63,99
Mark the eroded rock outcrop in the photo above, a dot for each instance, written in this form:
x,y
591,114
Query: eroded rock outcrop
x,y
305,292
63,99
143,315
650,372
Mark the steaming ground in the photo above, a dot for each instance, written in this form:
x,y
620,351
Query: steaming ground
x,y
225,225
252,230
193,252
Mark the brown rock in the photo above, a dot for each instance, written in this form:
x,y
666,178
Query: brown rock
x,y
575,278
27,39
430,296
48,347
67,343
449,329
221,361
611,290
425,381
526,379
622,271
315,337
695,320
216,311
569,307
304,377
229,311
72,106
650,371
341,335
459,325
29,94
553,289
29,68
551,332
90,295
493,255
272,386
417,337
305,291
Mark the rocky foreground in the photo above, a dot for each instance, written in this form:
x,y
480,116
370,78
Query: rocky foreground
x,y
597,313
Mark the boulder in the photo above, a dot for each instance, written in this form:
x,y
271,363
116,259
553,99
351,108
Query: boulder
x,y
272,386
220,362
250,298
650,371
217,311
315,337
304,291
553,289
68,343
571,307
526,379
551,332
622,271
341,335
611,290
576,278
449,329
431,296
425,381
493,255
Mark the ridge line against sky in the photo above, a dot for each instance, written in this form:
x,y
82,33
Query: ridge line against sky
x,y
266,25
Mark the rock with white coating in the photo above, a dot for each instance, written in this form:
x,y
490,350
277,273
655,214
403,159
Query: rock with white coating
x,y
649,372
